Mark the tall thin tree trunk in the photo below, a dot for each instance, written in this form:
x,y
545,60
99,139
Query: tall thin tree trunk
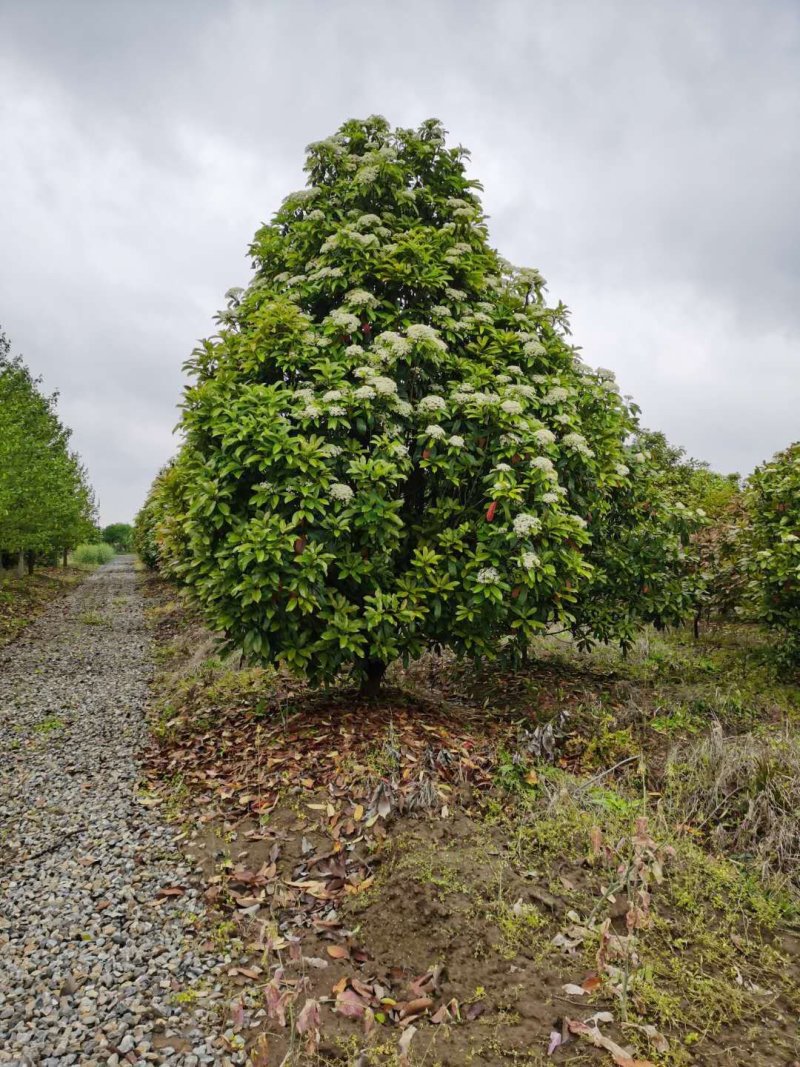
x,y
31,562
21,565
64,557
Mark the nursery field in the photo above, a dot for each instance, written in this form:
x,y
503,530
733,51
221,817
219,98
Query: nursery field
x,y
590,859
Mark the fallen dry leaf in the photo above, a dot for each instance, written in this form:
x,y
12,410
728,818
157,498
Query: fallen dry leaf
x,y
599,1040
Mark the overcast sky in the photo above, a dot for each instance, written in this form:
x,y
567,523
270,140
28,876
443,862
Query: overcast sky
x,y
644,155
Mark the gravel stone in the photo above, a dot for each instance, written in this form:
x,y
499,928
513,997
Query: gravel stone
x,y
89,955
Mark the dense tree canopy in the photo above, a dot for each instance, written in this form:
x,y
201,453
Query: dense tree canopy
x,y
119,535
391,444
46,504
773,549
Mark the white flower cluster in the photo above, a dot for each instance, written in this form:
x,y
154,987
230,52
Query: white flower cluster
x,y
403,408
419,331
511,407
392,343
360,298
577,442
544,436
432,403
340,491
332,395
435,431
325,272
366,175
542,463
521,389
364,392
344,320
622,470
556,395
457,295
488,576
515,369
383,386
534,348
456,251
525,524
365,221
530,561
455,441
310,411
550,498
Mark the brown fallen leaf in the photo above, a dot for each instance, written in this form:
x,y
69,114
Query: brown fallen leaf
x,y
338,952
170,891
350,1004
415,1007
599,1040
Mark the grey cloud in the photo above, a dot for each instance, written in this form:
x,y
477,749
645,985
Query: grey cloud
x,y
643,155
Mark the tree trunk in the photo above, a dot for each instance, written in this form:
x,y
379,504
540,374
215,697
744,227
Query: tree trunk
x,y
21,565
64,557
31,562
374,670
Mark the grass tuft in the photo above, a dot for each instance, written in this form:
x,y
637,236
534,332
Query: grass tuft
x,y
92,555
744,791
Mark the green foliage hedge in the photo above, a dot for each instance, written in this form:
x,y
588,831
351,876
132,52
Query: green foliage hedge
x,y
773,549
391,444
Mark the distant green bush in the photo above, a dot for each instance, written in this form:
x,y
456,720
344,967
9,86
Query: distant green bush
x,y
118,535
92,555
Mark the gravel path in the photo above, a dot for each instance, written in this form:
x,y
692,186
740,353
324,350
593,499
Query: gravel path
x,y
91,958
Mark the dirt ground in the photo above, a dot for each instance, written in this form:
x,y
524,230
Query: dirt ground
x,y
480,870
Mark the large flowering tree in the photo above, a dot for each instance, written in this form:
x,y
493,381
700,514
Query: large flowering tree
x,y
392,445
772,557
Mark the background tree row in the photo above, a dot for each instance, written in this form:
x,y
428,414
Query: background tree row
x,y
46,503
